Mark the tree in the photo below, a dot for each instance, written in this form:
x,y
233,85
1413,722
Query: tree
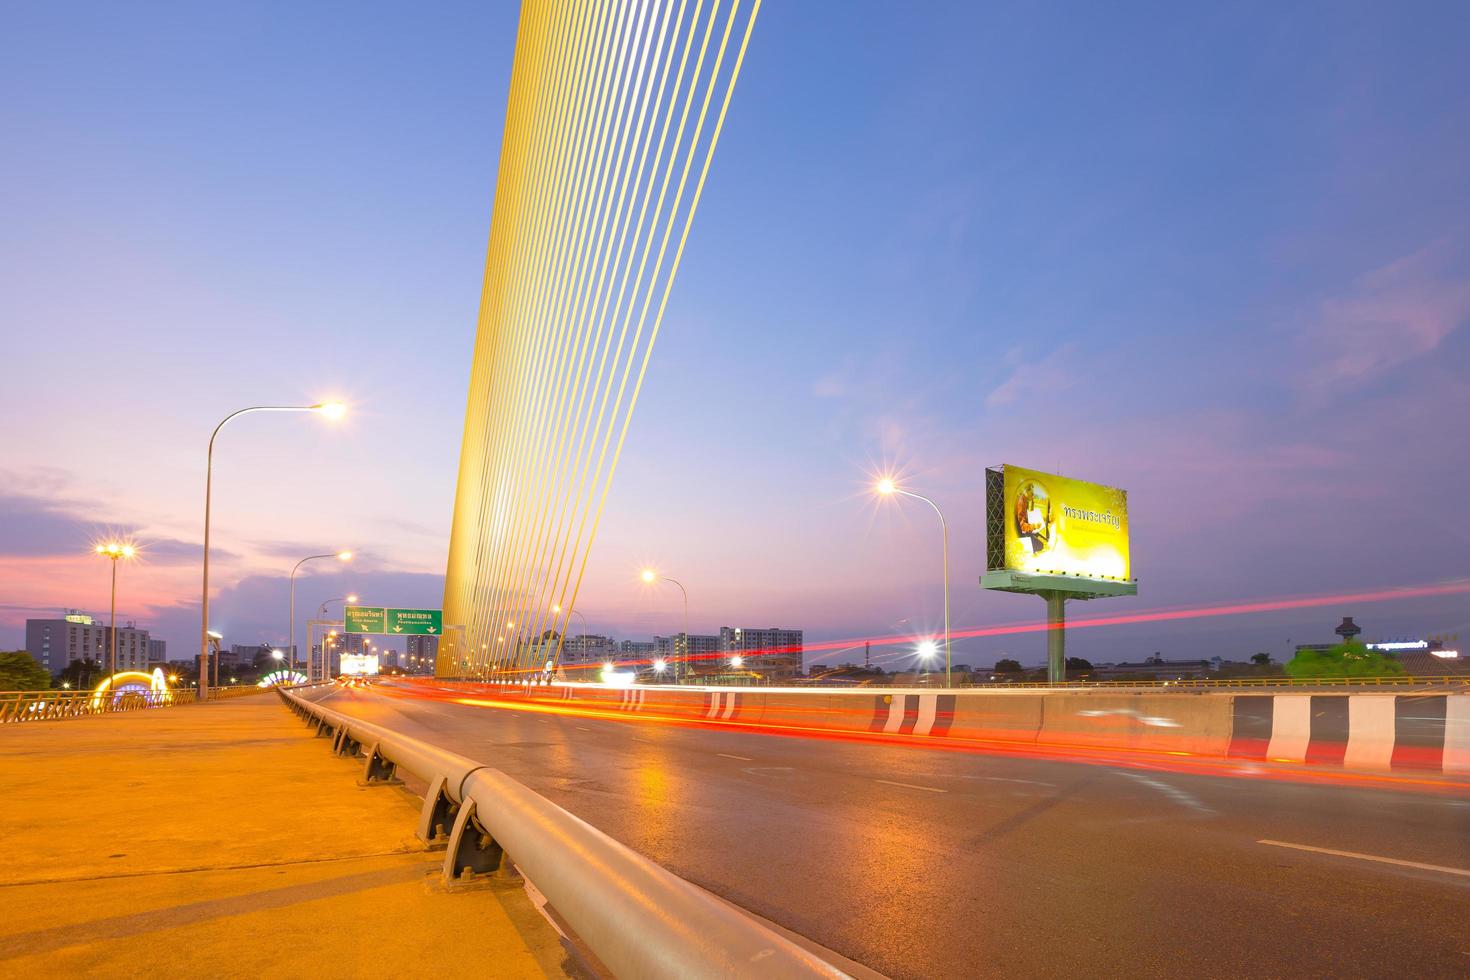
x,y
1007,666
1261,659
20,672
81,674
1344,660
1078,665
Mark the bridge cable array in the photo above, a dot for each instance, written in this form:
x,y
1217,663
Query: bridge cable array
x,y
614,105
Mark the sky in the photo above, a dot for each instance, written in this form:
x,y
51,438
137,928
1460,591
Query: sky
x,y
1219,257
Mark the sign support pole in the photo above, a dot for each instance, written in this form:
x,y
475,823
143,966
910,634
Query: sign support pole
x,y
1056,637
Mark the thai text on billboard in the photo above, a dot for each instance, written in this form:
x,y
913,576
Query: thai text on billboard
x,y
1055,525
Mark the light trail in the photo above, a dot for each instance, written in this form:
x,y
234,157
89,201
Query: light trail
x,y
1175,761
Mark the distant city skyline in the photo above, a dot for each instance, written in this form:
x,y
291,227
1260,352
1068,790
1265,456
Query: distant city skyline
x,y
1228,279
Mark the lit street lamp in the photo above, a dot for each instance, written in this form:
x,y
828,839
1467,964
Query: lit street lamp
x,y
291,629
113,551
649,576
331,410
321,614
886,487
576,612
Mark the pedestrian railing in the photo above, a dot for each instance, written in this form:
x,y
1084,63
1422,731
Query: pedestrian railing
x,y
17,706
637,918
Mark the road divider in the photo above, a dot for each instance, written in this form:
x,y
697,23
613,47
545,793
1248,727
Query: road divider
x,y
1381,732
637,918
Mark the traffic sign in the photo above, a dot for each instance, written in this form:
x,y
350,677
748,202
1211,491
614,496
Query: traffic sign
x,y
393,622
363,619
423,622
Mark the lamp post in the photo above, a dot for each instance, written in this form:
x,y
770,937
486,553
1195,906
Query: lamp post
x,y
291,627
649,577
577,612
113,551
888,488
321,613
332,410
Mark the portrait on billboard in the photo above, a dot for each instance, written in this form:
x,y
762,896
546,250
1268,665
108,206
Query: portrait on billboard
x,y
1033,515
1056,525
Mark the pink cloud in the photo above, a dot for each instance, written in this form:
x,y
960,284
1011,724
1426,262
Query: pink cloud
x,y
1392,315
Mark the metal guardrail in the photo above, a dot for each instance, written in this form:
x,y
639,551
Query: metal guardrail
x,y
637,918
18,706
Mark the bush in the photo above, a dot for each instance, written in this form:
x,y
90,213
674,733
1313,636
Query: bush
x,y
20,672
1343,660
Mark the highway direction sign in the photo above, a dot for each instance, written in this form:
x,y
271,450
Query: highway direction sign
x,y
393,622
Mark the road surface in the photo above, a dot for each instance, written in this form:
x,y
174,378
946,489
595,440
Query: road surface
x,y
927,863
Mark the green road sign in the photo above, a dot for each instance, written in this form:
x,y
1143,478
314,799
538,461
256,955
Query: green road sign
x,y
401,622
364,619
424,622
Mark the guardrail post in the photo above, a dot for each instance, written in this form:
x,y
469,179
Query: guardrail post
x,y
323,729
471,851
344,744
438,814
379,771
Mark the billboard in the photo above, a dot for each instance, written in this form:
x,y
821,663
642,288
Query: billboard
x,y
359,663
1055,525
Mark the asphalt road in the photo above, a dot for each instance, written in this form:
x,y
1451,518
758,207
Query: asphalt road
x,y
927,863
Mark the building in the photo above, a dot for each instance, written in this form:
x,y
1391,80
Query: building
x,y
55,643
772,652
637,649
421,653
157,652
588,648
1155,668
698,648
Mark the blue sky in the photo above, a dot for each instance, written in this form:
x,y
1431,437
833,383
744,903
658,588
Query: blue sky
x,y
1218,257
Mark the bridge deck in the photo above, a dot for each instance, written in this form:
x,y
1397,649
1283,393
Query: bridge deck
x,y
221,840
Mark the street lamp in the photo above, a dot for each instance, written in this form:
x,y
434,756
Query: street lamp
x,y
556,608
330,410
112,551
649,576
291,628
321,614
887,487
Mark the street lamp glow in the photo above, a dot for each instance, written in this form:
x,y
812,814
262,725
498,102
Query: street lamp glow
x,y
886,486
277,655
352,598
928,648
332,410
660,665
112,551
737,662
607,665
648,576
344,556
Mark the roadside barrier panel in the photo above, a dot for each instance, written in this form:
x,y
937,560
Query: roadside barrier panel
x,y
1194,723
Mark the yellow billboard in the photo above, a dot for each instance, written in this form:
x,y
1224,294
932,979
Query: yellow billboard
x,y
1055,525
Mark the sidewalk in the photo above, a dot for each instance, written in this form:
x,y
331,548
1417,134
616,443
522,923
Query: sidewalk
x,y
223,840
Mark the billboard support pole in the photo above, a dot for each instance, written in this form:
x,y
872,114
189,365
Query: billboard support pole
x,y
1056,637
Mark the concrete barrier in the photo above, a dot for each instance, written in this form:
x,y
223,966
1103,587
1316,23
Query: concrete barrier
x,y
1363,732
1198,724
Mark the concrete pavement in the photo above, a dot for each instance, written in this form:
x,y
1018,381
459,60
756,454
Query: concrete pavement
x,y
222,840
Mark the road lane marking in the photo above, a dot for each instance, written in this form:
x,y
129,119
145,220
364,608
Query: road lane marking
x,y
1007,779
742,758
581,729
637,739
1369,857
927,789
